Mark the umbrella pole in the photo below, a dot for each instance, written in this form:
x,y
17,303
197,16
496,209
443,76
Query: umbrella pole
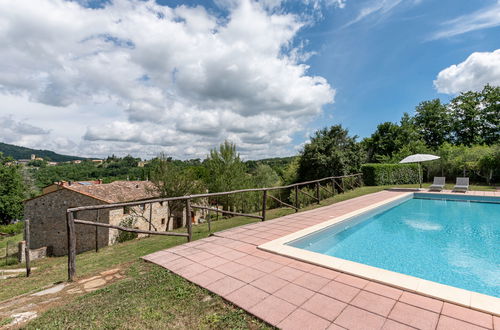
x,y
420,175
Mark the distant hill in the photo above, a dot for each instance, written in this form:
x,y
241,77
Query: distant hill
x,y
17,152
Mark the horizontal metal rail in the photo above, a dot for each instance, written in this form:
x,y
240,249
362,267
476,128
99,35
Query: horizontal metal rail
x,y
132,230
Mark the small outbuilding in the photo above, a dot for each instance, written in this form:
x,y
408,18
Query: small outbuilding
x,y
47,214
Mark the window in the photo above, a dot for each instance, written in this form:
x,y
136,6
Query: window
x,y
142,206
161,203
126,210
162,221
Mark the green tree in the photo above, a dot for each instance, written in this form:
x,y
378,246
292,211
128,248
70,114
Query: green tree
x,y
265,176
432,121
225,171
11,190
466,115
170,180
490,114
331,152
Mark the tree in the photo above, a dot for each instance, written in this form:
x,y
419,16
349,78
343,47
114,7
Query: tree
x,y
170,180
490,114
225,172
265,176
466,118
331,152
384,142
432,121
11,190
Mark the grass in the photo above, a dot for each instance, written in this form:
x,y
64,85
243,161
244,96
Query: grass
x,y
151,295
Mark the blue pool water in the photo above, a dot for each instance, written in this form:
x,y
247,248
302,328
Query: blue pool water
x,y
450,242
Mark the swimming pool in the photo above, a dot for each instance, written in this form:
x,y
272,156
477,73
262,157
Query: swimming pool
x,y
453,242
440,245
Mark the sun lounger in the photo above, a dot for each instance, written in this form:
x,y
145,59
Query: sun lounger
x,y
462,185
438,183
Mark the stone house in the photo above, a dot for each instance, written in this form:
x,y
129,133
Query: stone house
x,y
47,214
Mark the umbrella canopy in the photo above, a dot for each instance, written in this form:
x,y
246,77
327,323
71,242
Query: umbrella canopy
x,y
418,158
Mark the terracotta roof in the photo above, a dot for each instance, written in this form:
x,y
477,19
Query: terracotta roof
x,y
117,192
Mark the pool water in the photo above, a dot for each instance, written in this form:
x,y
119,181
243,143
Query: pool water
x,y
450,242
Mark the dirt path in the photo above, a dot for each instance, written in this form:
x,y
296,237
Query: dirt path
x,y
24,308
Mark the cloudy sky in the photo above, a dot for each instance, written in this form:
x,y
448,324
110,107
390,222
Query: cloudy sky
x,y
93,78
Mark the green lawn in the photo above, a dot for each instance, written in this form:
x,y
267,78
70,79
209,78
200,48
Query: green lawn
x,y
150,296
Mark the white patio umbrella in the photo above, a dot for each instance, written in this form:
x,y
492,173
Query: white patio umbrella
x,y
419,158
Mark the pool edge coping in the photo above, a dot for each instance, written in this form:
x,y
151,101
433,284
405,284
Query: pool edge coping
x,y
470,299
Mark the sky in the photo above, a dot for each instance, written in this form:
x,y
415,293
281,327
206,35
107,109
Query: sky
x,y
94,78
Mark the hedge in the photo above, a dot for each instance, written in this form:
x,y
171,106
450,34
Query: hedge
x,y
385,174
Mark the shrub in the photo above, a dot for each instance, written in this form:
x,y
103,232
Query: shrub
x,y
384,174
124,236
13,228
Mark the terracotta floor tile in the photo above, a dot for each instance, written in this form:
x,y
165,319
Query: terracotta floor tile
x,y
191,270
449,323
269,283
469,315
324,306
383,290
352,280
288,273
248,274
414,316
333,326
230,268
225,286
233,255
249,260
324,272
247,296
303,320
311,281
354,318
272,310
294,294
393,325
496,323
417,300
300,265
213,262
267,266
340,291
207,277
373,303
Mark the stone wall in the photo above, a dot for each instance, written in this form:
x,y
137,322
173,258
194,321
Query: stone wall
x,y
47,215
140,215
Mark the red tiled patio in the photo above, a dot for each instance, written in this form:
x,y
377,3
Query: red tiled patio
x,y
292,294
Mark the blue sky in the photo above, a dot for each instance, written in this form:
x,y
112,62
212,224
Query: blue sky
x,y
93,77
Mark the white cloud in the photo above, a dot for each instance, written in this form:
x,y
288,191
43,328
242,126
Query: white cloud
x,y
476,71
377,8
185,79
481,19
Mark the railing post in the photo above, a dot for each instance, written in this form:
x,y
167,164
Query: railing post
x,y
343,186
264,204
318,194
27,247
188,220
297,204
71,246
150,216
97,232
333,187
